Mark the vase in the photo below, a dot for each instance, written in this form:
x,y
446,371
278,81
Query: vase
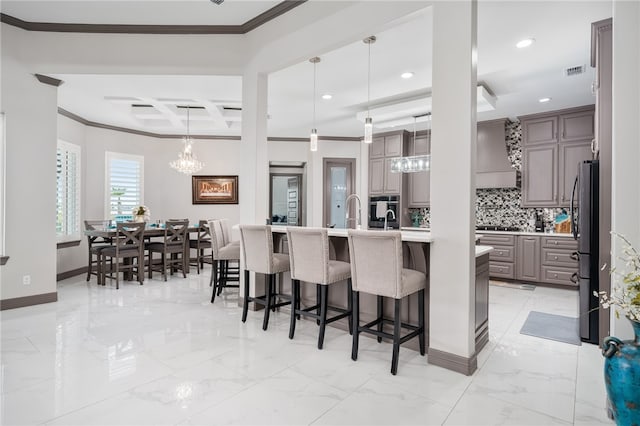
x,y
622,377
139,218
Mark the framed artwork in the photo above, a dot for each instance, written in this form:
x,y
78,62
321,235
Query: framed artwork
x,y
214,189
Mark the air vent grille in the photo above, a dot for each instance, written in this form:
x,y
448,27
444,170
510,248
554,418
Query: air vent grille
x,y
571,71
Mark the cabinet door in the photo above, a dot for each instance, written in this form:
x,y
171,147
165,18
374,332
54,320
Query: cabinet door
x,y
420,183
570,155
577,126
393,146
528,260
391,180
377,148
540,130
540,176
376,176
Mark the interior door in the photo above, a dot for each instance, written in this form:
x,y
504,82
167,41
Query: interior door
x,y
293,201
339,183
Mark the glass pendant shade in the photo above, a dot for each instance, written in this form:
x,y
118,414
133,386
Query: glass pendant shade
x,y
313,139
368,130
417,163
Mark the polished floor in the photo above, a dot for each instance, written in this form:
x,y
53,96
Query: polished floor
x,y
162,354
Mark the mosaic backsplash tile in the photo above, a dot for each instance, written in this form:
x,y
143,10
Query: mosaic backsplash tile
x,y
502,206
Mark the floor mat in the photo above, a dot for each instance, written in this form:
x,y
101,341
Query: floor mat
x,y
512,285
552,327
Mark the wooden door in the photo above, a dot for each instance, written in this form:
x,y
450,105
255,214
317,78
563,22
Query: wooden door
x,y
540,130
392,181
577,126
376,176
420,183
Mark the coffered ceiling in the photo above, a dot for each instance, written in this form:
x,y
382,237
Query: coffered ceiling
x,y
517,78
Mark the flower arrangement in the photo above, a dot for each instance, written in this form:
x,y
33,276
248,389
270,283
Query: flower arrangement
x,y
143,212
626,295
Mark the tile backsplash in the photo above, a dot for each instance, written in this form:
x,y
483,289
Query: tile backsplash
x,y
502,206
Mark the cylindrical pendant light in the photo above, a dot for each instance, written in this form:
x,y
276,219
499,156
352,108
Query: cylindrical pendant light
x,y
368,122
313,138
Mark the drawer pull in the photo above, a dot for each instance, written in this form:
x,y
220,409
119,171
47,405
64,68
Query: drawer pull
x,y
555,243
574,255
555,275
555,257
574,278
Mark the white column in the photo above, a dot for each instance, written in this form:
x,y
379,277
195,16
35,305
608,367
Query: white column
x,y
453,151
625,195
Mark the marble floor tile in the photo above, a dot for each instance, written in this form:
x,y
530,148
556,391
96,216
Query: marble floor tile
x,y
161,353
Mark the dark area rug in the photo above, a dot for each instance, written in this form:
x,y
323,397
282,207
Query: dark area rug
x,y
552,327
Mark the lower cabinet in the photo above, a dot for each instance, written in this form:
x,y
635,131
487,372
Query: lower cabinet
x,y
533,258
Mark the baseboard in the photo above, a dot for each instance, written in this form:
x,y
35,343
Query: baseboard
x,y
21,302
68,274
453,362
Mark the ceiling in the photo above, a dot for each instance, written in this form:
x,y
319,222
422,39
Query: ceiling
x,y
516,77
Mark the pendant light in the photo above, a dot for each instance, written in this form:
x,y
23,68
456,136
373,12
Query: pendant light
x,y
187,162
313,139
368,122
416,163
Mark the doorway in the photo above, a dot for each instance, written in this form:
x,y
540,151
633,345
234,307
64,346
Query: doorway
x,y
339,183
286,200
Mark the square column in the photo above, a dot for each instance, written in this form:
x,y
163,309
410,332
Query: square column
x,y
453,189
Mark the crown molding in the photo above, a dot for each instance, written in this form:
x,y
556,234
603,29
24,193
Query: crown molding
x,y
279,9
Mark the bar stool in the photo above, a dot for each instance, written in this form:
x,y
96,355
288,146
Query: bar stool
x,y
172,249
310,262
376,268
257,251
221,256
226,233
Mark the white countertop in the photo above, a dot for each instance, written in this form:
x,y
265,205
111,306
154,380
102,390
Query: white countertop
x,y
409,236
539,234
480,250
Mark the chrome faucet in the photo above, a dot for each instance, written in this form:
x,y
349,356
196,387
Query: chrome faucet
x,y
393,216
358,219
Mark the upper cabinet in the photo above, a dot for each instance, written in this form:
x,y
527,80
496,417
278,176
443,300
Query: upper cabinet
x,y
419,184
382,149
553,145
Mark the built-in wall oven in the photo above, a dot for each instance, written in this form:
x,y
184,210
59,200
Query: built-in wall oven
x,y
377,206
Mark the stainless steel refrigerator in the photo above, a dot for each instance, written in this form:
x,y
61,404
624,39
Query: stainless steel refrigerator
x,y
585,230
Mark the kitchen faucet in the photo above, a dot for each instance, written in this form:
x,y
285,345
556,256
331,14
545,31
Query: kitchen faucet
x,y
393,216
358,219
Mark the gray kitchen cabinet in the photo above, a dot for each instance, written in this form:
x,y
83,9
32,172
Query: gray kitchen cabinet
x,y
377,148
501,259
540,175
577,126
419,184
376,175
540,130
482,301
392,181
383,148
559,261
570,155
528,263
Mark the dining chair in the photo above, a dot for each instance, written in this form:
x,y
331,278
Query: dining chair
x,y
310,262
202,245
384,279
172,249
256,242
95,245
128,246
222,254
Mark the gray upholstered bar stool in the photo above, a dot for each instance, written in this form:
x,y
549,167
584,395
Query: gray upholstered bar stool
x,y
256,242
222,254
376,268
310,262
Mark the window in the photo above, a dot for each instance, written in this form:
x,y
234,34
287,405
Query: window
x,y
68,191
124,183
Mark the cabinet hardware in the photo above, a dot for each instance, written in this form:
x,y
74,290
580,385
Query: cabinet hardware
x,y
555,257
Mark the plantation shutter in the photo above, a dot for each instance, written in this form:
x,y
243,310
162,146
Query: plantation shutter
x,y
124,189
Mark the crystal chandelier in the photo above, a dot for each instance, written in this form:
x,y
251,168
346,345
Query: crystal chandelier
x,y
187,162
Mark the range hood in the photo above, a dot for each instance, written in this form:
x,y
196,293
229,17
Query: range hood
x,y
493,168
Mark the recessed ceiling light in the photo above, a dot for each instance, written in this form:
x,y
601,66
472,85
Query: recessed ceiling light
x,y
327,96
543,100
406,75
525,43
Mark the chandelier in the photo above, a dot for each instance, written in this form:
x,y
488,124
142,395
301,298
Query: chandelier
x,y
415,163
187,162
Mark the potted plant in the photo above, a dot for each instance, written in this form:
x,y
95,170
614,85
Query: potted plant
x,y
622,358
141,214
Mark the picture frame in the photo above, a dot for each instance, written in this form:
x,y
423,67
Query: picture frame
x,y
214,189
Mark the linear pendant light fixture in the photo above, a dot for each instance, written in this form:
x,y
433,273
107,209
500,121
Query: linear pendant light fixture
x,y
368,122
187,162
413,164
313,139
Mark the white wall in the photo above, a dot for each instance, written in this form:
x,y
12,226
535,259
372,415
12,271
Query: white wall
x,y
625,195
166,192
30,179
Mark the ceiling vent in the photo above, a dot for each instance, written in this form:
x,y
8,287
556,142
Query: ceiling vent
x,y
571,71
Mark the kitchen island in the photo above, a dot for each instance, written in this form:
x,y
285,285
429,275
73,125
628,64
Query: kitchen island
x,y
415,246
